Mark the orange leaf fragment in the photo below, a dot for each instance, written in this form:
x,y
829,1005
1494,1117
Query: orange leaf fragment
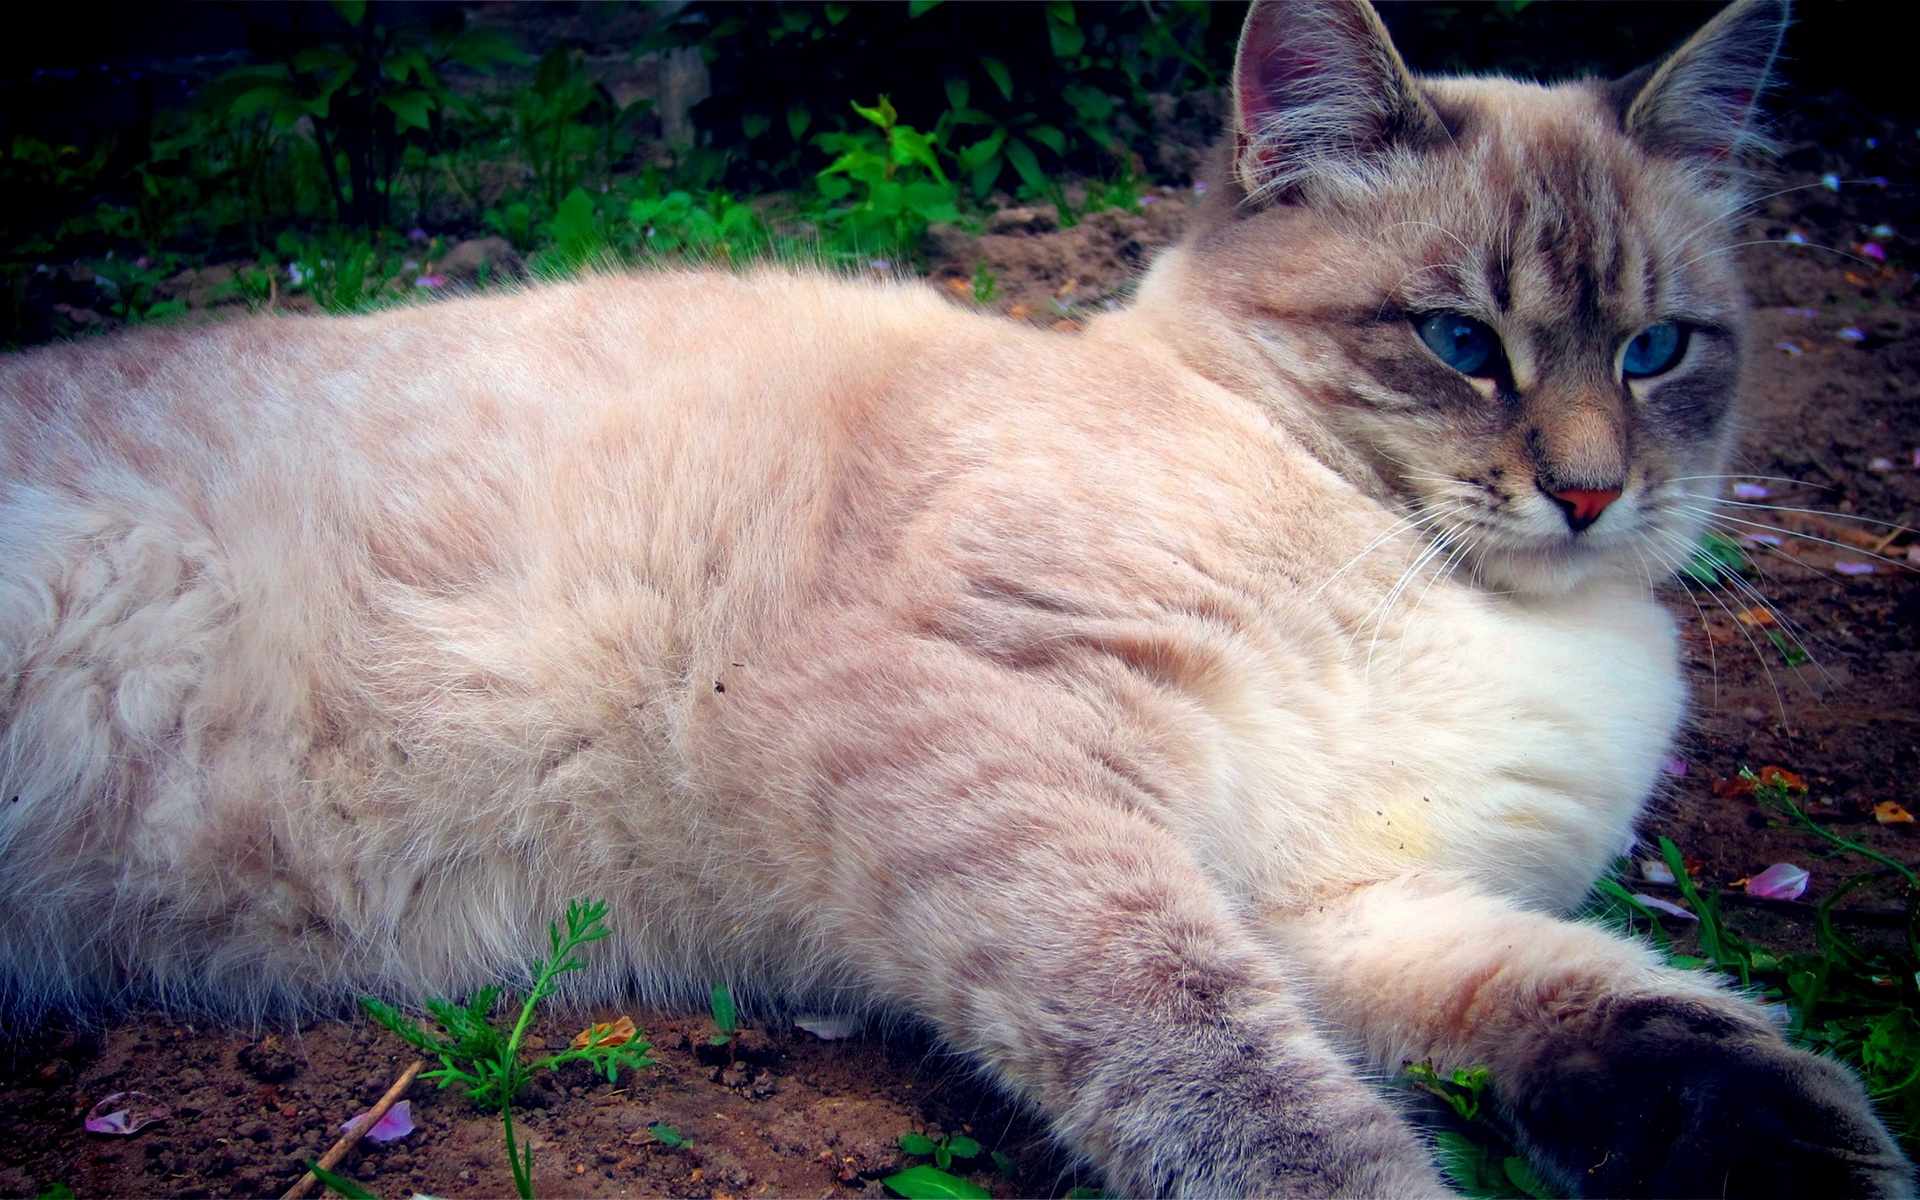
x,y
1020,312
606,1033
960,287
1759,618
1780,776
1888,813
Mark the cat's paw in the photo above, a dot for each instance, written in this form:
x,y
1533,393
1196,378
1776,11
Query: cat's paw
x,y
1670,1096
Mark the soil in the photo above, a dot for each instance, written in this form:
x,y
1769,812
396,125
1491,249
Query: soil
x,y
1834,440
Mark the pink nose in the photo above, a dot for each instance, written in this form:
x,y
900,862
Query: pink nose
x,y
1583,506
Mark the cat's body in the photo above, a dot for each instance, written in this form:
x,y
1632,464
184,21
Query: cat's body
x,y
1125,705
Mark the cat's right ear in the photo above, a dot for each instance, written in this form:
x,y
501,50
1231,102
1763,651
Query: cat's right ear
x,y
1319,91
1702,102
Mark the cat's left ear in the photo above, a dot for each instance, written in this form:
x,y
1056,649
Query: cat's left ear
x,y
1319,92
1702,101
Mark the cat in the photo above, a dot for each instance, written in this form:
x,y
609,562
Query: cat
x,y
1193,720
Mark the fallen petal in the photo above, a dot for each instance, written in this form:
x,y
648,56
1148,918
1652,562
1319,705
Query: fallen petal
x,y
829,1028
1830,181
1888,813
123,1113
1790,348
1781,881
1796,238
1675,766
1659,905
1851,334
1654,871
1849,567
1763,539
394,1124
1751,491
1873,251
617,1032
1880,464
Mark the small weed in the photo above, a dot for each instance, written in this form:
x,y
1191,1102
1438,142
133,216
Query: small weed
x,y
1479,1157
986,285
669,1137
474,1052
1715,559
726,1022
921,1182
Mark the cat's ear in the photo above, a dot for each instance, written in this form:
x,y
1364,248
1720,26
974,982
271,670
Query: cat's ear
x,y
1702,101
1319,89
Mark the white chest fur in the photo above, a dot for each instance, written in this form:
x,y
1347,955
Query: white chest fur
x,y
1511,742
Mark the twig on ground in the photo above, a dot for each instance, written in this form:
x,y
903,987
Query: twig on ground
x,y
356,1131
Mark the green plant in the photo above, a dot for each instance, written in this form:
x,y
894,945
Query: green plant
x,y
1479,1156
477,1055
669,1137
923,1182
365,90
726,1022
893,178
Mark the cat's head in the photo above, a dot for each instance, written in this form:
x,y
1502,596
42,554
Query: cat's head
x,y
1511,309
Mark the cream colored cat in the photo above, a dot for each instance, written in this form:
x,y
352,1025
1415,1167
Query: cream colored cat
x,y
1193,721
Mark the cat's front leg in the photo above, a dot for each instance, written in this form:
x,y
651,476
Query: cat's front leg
x,y
1099,973
1622,1076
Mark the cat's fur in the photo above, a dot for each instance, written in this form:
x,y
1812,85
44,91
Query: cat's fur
x,y
1190,719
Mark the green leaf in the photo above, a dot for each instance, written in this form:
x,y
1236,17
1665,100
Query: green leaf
x,y
754,124
798,119
918,8
837,13
668,1136
931,1183
916,1143
340,1184
932,201
315,59
724,1017
1050,137
881,114
1062,30
997,71
1022,157
353,12
959,92
411,108
964,1147
1523,1177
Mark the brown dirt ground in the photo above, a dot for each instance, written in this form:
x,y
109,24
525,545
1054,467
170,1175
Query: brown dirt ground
x,y
1835,431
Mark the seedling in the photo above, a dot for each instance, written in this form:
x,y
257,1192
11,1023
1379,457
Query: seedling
x,y
726,1022
475,1054
668,1136
926,1182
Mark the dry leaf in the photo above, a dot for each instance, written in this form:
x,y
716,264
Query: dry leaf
x,y
1771,776
609,1033
1888,813
960,287
1759,618
1020,312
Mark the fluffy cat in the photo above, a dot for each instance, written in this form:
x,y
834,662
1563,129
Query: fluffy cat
x,y
1192,720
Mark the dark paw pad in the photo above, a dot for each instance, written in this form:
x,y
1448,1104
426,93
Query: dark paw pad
x,y
1658,1096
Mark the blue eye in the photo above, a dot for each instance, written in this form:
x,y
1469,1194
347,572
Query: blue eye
x,y
1466,345
1657,350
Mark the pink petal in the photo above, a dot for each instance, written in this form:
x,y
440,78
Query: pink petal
x,y
1659,905
1675,766
105,1117
1873,251
1750,491
1852,333
1790,348
1848,567
1781,881
395,1123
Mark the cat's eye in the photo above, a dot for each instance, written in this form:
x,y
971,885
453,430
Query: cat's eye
x,y
1655,350
1468,346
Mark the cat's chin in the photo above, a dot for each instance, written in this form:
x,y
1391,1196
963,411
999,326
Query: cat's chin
x,y
1547,570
